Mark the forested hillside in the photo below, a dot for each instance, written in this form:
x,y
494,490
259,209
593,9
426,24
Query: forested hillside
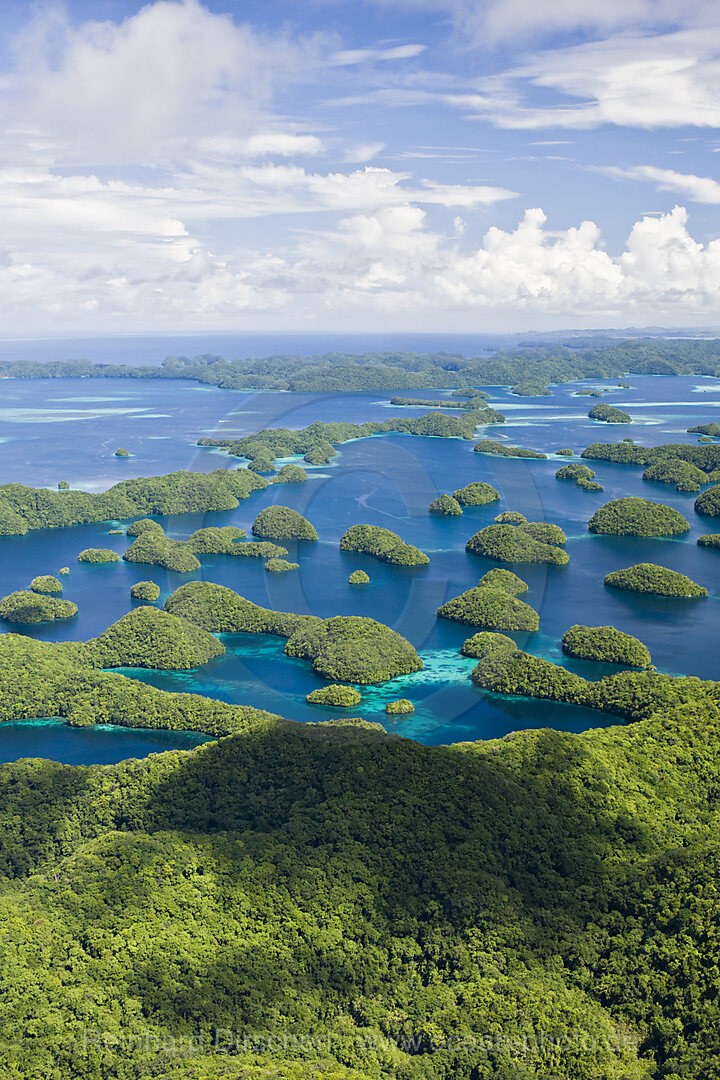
x,y
544,906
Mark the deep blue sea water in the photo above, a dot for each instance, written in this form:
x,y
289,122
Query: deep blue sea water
x,y
103,744
69,429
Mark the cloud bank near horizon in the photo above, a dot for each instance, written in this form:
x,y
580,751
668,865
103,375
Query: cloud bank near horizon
x,y
178,168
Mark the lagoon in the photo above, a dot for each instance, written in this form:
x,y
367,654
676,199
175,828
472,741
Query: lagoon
x,y
388,481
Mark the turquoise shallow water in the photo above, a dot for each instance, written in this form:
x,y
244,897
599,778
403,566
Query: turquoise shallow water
x,y
388,481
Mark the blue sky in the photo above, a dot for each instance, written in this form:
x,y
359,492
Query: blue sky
x,y
395,164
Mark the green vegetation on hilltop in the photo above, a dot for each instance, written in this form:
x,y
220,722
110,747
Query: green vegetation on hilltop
x,y
63,485
574,471
261,464
529,542
486,643
153,548
317,441
280,566
607,645
504,579
510,517
215,540
492,608
475,401
283,523
622,453
544,531
358,577
685,475
686,466
149,638
384,544
320,455
651,578
24,606
137,528
493,604
290,474
257,549
491,446
528,388
581,474
468,392
637,517
145,590
50,679
708,504
336,695
537,362
445,505
350,648
24,508
609,414
476,493
223,611
630,695
346,648
46,583
712,429
98,555
401,707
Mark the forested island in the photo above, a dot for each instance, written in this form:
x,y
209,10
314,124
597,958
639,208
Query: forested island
x,y
609,414
518,541
283,523
538,366
492,446
336,695
637,517
651,578
147,591
630,695
316,442
478,401
152,547
28,606
25,508
686,466
476,493
445,506
606,644
98,555
491,607
383,544
346,648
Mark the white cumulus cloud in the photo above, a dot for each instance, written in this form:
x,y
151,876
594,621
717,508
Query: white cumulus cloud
x,y
701,189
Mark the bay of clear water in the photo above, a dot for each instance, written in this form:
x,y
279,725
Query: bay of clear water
x,y
103,744
69,429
